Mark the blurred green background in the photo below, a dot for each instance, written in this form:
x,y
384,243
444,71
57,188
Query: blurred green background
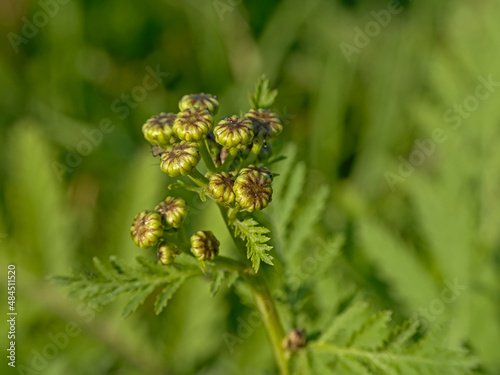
x,y
394,106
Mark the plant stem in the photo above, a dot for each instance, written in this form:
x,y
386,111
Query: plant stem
x,y
229,159
264,303
198,178
205,154
254,152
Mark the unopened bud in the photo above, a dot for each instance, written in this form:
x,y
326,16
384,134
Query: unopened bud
x,y
173,211
180,159
266,123
204,245
147,229
158,130
193,124
294,340
220,187
253,188
234,131
206,101
165,253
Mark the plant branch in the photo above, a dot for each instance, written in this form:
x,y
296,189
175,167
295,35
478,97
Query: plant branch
x,y
264,303
205,154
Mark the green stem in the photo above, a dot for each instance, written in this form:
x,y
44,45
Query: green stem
x,y
205,154
256,147
231,265
198,178
229,159
264,303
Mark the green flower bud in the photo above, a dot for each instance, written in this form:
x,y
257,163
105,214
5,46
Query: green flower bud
x,y
207,101
204,245
193,124
294,340
220,187
234,131
253,188
158,130
266,123
173,211
180,159
147,229
252,169
165,253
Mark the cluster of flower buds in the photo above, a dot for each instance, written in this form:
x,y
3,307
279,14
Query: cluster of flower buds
x,y
233,150
160,228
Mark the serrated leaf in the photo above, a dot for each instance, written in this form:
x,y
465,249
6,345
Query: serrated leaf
x,y
254,235
118,279
399,266
219,278
373,334
345,324
369,353
166,294
309,216
138,300
290,198
263,97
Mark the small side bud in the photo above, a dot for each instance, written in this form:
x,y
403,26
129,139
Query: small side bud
x,y
294,340
202,100
234,131
180,159
173,211
266,123
147,229
220,187
165,253
193,124
204,245
253,189
158,130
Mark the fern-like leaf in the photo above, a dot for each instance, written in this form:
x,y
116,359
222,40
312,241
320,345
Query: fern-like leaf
x,y
166,294
256,241
358,343
137,283
263,96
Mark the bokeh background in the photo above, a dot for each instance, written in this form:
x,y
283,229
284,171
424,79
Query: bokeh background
x,y
394,106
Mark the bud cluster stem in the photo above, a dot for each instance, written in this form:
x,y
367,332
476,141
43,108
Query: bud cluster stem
x,y
229,159
256,147
263,301
205,155
198,178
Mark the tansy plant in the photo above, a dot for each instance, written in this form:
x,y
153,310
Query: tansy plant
x,y
333,334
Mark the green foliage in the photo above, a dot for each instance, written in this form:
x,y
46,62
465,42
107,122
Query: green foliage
x,y
256,241
359,343
295,215
263,97
117,279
